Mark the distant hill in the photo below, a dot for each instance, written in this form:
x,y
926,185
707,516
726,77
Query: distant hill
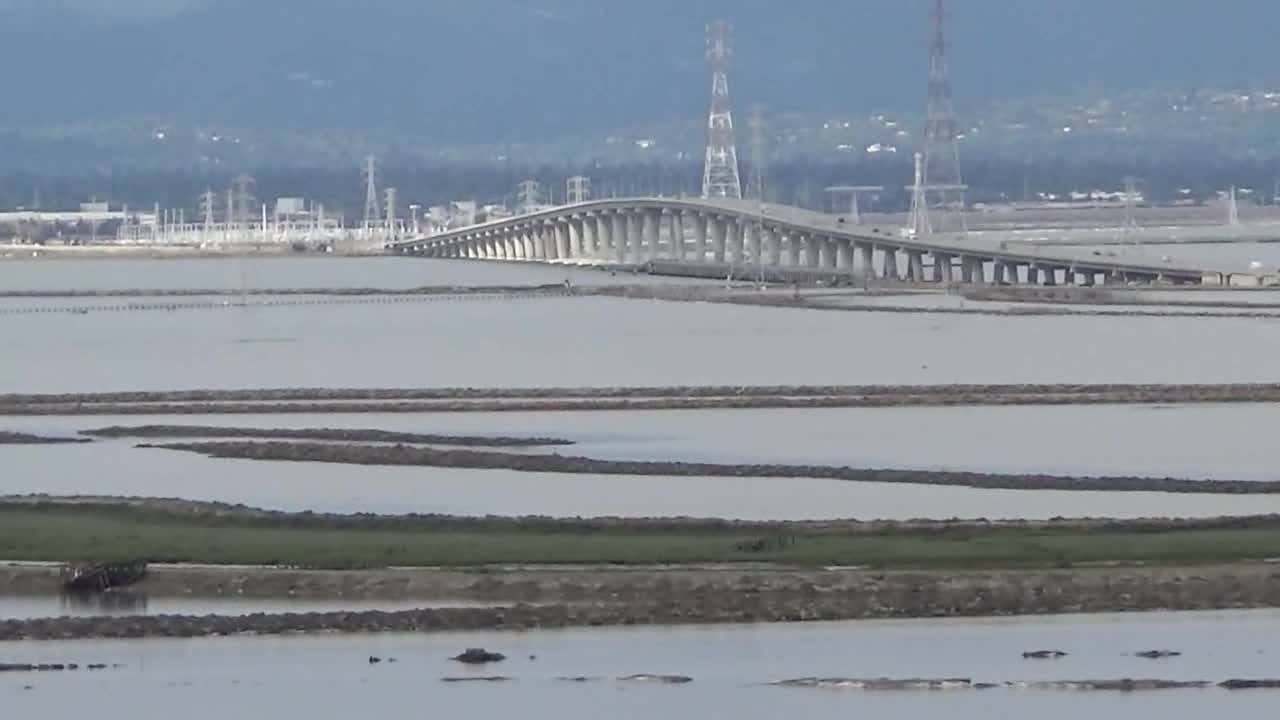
x,y
493,71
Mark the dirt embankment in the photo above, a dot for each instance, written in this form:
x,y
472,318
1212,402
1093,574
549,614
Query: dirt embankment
x,y
323,434
401,455
12,438
673,597
313,401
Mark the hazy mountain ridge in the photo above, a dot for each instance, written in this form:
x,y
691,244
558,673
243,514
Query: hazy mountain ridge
x,y
478,71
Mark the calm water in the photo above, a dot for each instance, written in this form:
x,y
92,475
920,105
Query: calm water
x,y
329,677
65,470
1220,442
583,341
588,341
282,272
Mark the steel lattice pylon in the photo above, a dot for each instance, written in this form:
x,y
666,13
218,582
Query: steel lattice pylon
x,y
372,209
941,207
720,177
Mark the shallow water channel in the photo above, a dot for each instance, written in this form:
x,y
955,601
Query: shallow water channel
x,y
330,677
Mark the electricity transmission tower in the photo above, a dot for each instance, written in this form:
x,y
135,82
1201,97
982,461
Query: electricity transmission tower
x,y
208,206
943,190
720,175
242,199
578,190
528,195
372,215
391,212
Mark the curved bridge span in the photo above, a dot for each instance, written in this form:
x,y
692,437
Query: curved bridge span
x,y
742,236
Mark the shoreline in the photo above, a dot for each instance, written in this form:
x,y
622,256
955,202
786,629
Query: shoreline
x,y
276,401
554,599
476,459
755,572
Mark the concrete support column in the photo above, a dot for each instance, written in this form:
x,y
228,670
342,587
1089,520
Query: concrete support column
x,y
772,247
546,242
1001,271
590,240
677,236
618,221
574,226
1069,277
868,253
813,251
604,236
794,241
509,245
889,271
1033,274
979,271
635,236
719,233
733,241
942,267
844,255
560,231
1050,276
833,256
700,230
915,266
652,228
755,244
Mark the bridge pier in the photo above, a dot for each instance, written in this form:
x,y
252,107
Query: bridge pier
x,y
652,222
942,267
618,236
589,240
844,255
1000,271
604,236
793,248
700,223
526,237
718,238
867,253
677,236
889,262
755,244
915,266
576,240
773,247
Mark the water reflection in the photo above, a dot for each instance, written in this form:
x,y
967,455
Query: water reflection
x,y
123,603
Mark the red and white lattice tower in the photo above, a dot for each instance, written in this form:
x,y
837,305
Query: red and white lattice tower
x,y
941,210
720,178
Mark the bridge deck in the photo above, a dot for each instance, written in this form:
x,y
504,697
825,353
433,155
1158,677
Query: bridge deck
x,y
792,219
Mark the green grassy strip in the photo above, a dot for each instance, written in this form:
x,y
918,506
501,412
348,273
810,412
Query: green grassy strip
x,y
79,534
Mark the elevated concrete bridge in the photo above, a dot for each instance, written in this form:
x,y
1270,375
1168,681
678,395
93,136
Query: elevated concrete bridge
x,y
742,236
